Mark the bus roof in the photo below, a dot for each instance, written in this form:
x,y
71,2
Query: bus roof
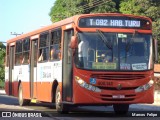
x,y
49,27
67,21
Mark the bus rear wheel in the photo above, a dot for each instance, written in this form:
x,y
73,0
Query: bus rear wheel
x,y
121,108
60,107
21,100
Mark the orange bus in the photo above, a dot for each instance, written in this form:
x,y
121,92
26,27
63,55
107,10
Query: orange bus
x,y
89,59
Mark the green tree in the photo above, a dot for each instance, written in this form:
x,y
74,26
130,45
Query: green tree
x,y
2,57
66,8
100,6
149,8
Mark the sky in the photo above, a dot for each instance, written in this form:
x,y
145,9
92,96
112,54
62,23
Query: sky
x,y
23,16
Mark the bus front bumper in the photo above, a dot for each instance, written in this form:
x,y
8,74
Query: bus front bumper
x,y
84,96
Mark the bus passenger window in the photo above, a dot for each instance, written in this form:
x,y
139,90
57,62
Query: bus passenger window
x,y
25,58
59,54
44,47
26,50
40,55
53,54
18,53
55,42
43,54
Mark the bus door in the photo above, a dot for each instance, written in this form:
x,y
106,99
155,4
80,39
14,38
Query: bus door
x,y
67,72
11,68
33,69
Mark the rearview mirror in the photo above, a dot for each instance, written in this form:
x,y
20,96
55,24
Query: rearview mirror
x,y
73,42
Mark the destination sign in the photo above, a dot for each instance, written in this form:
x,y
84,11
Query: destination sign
x,y
113,22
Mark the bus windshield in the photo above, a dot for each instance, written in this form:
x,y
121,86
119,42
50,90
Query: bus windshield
x,y
114,51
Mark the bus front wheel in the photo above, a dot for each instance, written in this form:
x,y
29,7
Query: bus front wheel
x,y
61,108
21,100
121,108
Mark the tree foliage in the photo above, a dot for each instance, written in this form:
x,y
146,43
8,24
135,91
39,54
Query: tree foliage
x,y
149,8
2,56
66,8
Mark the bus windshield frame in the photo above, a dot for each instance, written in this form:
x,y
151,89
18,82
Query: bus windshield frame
x,y
114,51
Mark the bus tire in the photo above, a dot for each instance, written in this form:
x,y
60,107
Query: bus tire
x,y
121,109
21,100
60,108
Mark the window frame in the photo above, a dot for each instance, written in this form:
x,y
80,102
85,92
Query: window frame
x,y
43,46
19,51
26,50
55,40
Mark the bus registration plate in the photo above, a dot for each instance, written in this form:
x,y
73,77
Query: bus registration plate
x,y
118,96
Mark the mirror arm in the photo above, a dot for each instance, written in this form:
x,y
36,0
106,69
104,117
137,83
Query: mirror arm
x,y
156,50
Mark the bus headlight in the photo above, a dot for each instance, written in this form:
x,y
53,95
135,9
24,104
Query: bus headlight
x,y
144,87
85,85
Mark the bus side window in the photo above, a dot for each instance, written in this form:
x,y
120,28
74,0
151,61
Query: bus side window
x,y
55,42
26,49
40,55
18,53
44,47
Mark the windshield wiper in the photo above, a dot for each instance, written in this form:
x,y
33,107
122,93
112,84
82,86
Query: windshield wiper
x,y
104,39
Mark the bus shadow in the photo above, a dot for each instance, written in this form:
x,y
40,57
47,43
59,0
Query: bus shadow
x,y
43,104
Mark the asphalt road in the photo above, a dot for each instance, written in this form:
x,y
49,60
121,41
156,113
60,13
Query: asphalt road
x,y
10,104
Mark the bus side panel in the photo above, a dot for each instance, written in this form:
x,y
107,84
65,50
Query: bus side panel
x,y
15,88
44,91
25,81
21,73
26,90
44,81
47,72
17,76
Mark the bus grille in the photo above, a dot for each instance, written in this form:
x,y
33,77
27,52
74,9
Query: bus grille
x,y
114,88
109,98
129,99
118,76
